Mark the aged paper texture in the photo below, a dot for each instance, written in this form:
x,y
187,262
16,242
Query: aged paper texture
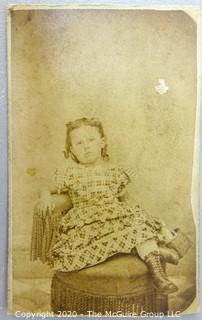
x,y
103,106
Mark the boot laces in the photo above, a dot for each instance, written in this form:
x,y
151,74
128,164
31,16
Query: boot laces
x,y
156,263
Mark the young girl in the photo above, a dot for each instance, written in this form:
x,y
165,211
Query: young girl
x,y
101,224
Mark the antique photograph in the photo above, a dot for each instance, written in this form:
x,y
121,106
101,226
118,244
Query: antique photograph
x,y
103,161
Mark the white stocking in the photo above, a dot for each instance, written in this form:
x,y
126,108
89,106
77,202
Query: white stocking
x,y
147,247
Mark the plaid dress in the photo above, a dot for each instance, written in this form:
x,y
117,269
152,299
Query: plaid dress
x,y
99,225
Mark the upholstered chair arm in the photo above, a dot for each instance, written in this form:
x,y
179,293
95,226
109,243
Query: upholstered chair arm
x,y
45,227
62,202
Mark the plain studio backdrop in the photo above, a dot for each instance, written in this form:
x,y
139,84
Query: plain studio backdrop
x,y
67,64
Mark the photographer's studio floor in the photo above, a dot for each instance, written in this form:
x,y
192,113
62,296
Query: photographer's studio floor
x,y
31,289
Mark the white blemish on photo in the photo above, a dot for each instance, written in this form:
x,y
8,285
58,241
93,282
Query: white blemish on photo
x,y
161,88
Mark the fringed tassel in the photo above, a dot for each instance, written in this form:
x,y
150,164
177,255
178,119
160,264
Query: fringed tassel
x,y
67,300
44,229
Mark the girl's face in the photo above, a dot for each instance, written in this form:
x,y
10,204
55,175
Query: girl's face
x,y
86,144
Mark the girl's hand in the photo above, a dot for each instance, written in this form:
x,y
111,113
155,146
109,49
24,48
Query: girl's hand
x,y
45,204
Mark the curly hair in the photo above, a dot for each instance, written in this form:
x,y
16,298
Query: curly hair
x,y
70,126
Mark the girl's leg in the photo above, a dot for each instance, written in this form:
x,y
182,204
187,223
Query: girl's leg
x,y
150,253
167,255
145,248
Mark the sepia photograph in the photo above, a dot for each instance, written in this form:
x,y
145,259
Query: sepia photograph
x,y
103,161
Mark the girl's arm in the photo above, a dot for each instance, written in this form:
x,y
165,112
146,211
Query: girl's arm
x,y
124,197
55,186
46,202
125,176
47,191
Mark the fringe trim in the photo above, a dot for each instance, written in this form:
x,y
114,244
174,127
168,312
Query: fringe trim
x,y
43,236
69,301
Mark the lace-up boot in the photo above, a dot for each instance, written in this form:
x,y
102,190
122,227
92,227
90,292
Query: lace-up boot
x,y
160,280
169,255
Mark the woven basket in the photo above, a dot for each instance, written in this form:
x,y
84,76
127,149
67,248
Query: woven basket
x,y
181,243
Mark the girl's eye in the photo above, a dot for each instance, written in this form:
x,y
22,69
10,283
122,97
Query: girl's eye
x,y
79,143
92,139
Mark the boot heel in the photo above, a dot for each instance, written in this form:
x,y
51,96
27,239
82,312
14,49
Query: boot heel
x,y
160,280
167,289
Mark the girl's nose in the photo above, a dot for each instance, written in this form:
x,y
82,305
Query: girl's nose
x,y
86,144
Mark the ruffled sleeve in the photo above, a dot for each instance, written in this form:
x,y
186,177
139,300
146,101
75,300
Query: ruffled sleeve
x,y
124,176
61,179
